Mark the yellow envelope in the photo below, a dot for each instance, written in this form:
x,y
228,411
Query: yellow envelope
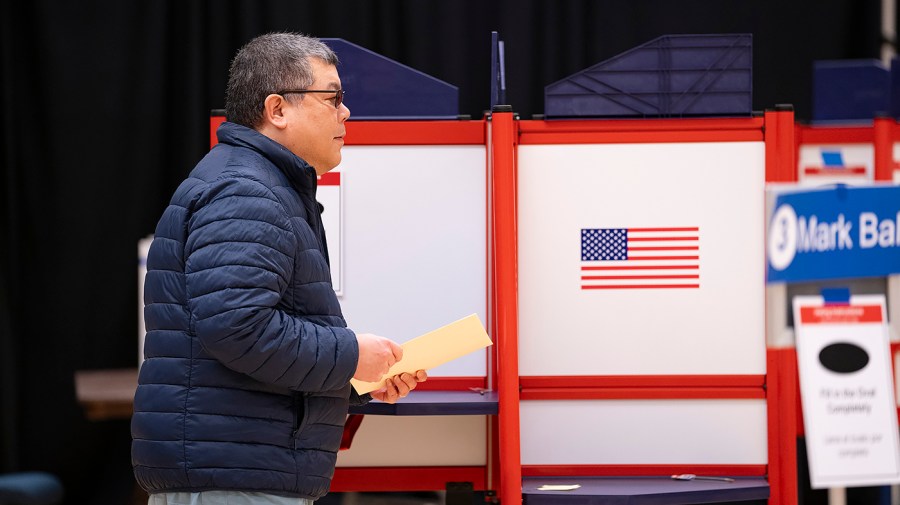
x,y
435,348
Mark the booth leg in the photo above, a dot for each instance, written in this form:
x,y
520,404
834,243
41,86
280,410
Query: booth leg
x,y
460,493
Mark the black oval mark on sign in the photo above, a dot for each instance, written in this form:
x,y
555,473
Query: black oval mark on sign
x,y
844,358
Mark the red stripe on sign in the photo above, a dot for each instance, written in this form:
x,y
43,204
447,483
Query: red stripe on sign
x,y
678,267
834,171
651,258
601,277
330,179
657,239
836,314
665,229
643,286
685,248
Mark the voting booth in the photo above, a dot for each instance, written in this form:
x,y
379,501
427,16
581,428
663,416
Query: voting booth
x,y
855,142
640,338
636,257
832,306
620,266
858,146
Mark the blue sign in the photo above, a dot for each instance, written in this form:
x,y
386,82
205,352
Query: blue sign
x,y
837,233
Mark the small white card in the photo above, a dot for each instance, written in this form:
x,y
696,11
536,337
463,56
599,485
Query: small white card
x,y
559,487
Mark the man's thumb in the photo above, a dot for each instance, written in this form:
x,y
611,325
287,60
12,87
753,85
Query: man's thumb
x,y
396,350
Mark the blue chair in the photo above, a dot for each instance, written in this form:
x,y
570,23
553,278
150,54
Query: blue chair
x,y
30,488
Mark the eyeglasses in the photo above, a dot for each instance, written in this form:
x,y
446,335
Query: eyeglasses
x,y
338,94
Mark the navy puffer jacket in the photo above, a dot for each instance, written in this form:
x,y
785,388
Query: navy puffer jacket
x,y
245,383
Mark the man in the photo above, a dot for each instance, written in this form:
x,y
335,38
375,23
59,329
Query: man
x,y
244,390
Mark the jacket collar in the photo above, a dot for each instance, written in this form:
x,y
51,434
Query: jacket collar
x,y
300,173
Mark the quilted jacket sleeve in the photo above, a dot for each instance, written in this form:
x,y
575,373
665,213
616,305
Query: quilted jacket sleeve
x,y
240,255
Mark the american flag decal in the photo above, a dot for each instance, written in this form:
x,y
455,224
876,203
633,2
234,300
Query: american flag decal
x,y
640,258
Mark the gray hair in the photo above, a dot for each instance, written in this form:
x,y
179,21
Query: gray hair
x,y
268,64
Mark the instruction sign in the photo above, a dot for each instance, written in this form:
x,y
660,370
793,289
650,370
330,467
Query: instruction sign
x,y
847,392
837,233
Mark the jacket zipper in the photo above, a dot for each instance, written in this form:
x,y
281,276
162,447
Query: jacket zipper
x,y
297,407
300,408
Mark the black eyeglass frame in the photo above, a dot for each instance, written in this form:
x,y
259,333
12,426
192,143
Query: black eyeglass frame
x,y
338,94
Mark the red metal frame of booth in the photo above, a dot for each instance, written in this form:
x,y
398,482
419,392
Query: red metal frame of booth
x,y
786,418
502,134
881,134
774,128
782,389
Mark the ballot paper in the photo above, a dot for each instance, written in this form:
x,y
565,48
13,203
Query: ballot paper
x,y
434,348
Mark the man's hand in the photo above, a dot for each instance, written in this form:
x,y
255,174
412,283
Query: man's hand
x,y
399,386
376,356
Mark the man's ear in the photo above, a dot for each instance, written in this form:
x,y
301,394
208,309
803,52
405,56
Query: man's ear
x,y
273,111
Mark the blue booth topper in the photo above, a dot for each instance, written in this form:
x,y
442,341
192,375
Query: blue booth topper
x,y
836,233
381,88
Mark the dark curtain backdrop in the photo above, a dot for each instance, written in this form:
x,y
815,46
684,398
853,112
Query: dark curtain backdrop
x,y
105,108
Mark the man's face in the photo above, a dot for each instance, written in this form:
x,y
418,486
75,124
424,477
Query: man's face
x,y
316,128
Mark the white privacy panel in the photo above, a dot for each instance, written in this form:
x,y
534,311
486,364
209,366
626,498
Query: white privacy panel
x,y
414,242
701,315
634,432
418,441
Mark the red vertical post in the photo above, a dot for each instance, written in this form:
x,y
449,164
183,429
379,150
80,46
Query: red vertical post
x,y
493,425
782,399
503,192
215,120
781,153
781,364
884,149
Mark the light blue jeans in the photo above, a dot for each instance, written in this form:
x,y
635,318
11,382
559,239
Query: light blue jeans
x,y
224,498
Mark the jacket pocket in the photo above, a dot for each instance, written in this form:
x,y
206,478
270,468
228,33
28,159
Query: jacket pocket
x,y
300,407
